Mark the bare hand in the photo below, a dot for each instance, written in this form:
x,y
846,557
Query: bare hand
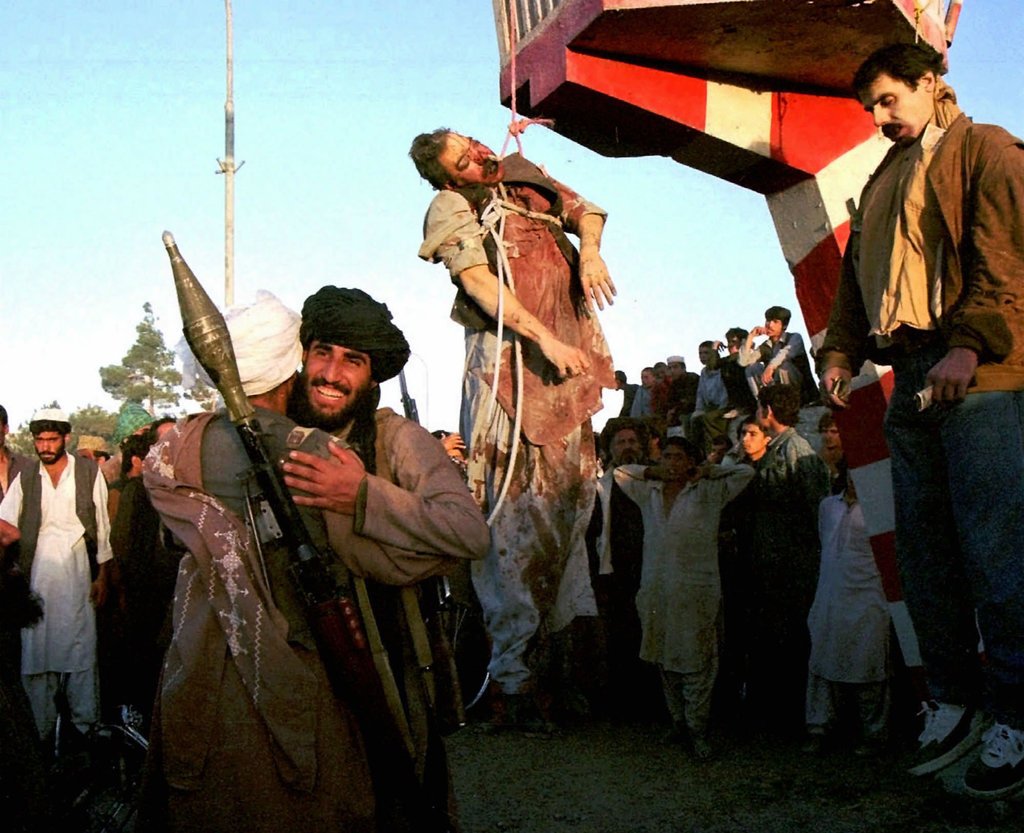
x,y
827,385
568,361
656,472
758,331
597,283
954,373
8,534
700,472
332,483
98,591
453,445
768,375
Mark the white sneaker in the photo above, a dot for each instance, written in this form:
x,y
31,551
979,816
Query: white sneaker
x,y
999,769
950,732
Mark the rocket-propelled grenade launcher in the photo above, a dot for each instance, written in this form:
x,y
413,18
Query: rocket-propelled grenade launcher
x,y
207,334
331,611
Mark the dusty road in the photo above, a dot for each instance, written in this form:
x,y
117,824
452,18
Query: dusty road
x,y
599,778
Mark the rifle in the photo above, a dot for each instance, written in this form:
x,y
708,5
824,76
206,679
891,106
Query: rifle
x,y
408,403
445,690
332,613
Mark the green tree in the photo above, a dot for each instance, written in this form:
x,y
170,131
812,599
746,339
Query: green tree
x,y
203,395
95,421
20,440
146,374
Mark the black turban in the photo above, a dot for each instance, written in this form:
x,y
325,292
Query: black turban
x,y
351,318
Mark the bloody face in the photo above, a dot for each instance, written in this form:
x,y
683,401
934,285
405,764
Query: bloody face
x,y
468,162
901,112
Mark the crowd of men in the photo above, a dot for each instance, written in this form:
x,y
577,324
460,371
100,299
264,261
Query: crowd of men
x,y
286,677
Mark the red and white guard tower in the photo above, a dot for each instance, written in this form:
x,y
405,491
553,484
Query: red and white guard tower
x,y
756,92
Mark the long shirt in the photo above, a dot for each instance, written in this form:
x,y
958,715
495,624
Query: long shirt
x,y
65,640
680,586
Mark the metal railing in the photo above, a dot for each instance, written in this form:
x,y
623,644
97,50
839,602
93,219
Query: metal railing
x,y
529,15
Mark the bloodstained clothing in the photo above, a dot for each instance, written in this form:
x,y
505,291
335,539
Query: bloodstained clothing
x,y
535,577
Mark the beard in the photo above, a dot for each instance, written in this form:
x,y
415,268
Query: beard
x,y
627,457
50,457
362,402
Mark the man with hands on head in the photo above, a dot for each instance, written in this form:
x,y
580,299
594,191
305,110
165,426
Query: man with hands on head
x,y
680,588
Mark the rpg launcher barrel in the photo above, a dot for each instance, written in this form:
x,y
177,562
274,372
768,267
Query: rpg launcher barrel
x,y
331,612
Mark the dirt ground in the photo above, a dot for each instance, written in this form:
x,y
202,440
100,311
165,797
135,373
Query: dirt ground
x,y
603,778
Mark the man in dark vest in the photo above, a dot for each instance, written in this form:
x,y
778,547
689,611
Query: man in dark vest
x,y
60,509
536,363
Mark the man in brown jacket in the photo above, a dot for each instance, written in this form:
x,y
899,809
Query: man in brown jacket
x,y
933,285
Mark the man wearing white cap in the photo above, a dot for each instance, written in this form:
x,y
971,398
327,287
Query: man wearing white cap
x,y
60,509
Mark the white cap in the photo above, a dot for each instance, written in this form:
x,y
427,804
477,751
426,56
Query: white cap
x,y
50,415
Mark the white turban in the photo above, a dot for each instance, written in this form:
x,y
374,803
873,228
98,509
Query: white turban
x,y
265,336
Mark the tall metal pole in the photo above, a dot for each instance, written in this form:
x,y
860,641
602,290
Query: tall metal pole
x,y
227,167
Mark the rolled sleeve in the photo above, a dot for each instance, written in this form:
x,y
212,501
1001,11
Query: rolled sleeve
x,y
452,234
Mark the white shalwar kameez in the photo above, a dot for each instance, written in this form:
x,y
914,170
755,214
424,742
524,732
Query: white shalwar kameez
x,y
680,587
65,640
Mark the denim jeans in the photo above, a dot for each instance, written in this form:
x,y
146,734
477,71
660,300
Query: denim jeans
x,y
958,486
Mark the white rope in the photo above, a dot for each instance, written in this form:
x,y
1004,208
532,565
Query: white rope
x,y
492,218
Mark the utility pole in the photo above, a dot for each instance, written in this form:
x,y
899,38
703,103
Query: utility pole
x,y
227,167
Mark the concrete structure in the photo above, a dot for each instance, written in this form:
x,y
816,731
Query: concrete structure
x,y
755,92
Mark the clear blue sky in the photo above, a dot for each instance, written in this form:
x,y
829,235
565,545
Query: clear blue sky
x,y
111,121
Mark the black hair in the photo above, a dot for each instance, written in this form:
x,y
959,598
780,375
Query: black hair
x,y
617,424
906,62
39,426
784,400
151,430
134,445
778,314
686,445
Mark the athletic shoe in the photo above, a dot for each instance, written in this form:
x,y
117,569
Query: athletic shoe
x,y
949,733
999,769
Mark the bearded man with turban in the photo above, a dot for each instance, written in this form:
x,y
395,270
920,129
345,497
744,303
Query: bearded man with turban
x,y
247,732
536,361
933,285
